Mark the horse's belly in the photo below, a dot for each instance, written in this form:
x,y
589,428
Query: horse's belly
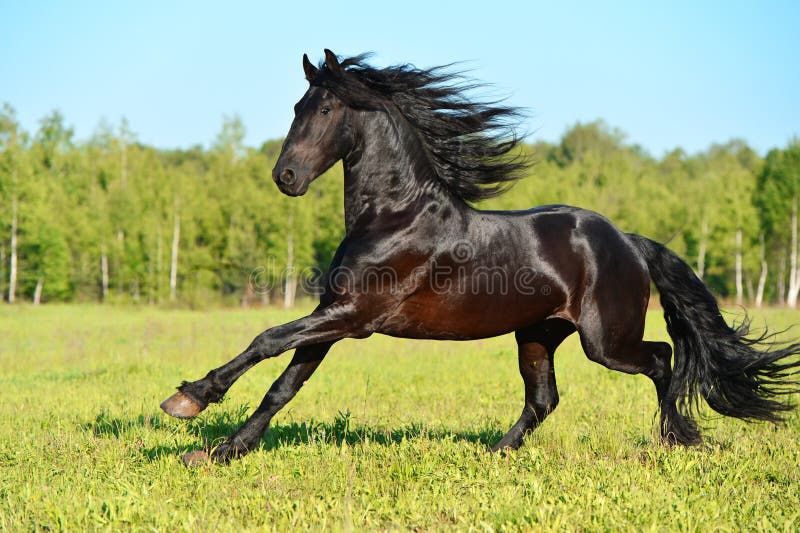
x,y
433,316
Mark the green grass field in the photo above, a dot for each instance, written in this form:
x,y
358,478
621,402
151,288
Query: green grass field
x,y
388,434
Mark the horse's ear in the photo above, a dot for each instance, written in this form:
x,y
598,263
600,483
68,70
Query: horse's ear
x,y
332,62
309,69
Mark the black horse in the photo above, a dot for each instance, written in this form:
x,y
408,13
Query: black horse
x,y
419,262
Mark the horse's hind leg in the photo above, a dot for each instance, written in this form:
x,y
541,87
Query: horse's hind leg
x,y
536,345
674,427
636,356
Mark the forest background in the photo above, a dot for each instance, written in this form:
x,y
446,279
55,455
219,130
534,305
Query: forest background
x,y
111,219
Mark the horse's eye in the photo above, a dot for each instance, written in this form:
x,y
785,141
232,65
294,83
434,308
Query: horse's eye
x,y
325,110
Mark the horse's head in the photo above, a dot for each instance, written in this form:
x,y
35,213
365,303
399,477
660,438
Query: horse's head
x,y
320,133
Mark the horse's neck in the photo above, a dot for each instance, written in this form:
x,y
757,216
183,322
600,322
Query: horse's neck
x,y
388,175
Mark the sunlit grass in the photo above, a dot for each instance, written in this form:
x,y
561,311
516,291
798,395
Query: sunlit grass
x,y
387,434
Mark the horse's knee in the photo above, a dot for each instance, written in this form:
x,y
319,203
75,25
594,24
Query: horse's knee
x,y
542,402
544,408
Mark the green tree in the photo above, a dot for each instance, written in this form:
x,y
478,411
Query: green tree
x,y
776,199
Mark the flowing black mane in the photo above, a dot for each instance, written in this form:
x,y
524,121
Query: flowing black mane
x,y
473,146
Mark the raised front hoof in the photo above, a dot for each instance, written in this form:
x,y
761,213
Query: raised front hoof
x,y
182,406
196,458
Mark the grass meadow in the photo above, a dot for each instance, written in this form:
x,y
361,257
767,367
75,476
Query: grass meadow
x,y
388,434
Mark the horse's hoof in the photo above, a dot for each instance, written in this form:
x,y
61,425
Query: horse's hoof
x,y
504,449
180,405
196,458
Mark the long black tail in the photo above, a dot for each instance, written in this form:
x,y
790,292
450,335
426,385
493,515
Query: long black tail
x,y
738,376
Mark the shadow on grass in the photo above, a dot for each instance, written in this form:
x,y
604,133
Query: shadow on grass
x,y
212,429
105,425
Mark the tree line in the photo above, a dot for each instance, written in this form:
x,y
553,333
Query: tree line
x,y
111,219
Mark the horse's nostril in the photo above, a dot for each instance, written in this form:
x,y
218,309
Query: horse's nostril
x,y
287,176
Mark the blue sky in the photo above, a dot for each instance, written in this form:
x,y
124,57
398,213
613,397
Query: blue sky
x,y
666,73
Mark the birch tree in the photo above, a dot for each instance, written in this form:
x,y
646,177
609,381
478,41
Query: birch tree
x,y
776,198
173,264
12,145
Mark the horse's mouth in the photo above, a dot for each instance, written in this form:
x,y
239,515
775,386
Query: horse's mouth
x,y
295,189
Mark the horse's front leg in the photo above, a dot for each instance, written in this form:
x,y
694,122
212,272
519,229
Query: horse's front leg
x,y
303,364
322,326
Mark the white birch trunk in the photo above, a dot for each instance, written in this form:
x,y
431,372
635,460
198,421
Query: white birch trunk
x,y
762,279
781,282
104,273
291,280
12,268
120,262
794,287
37,292
159,262
739,286
3,291
173,268
151,278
